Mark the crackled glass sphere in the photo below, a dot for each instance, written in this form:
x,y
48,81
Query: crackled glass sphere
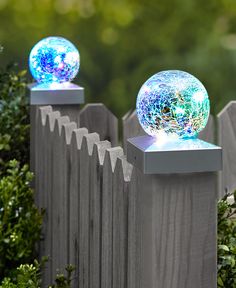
x,y
54,59
173,103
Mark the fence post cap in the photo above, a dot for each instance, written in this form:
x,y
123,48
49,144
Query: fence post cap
x,y
175,156
55,94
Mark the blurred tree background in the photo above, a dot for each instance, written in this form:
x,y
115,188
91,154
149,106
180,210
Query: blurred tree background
x,y
124,42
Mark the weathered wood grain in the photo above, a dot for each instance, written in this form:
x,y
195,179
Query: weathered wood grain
x,y
72,111
46,181
74,212
96,171
59,248
64,202
121,178
107,202
85,181
172,231
97,118
227,140
39,156
41,196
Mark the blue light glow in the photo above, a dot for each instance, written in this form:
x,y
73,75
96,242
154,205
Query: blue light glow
x,y
173,103
54,59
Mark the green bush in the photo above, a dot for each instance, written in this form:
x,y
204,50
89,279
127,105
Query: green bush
x,y
20,220
29,276
227,242
14,117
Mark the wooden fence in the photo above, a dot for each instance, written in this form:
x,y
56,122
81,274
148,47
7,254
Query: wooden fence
x,y
119,227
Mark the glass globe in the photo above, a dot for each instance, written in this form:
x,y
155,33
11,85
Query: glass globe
x,y
54,59
173,103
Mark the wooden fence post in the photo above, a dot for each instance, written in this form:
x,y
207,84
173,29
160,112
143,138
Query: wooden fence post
x,y
172,216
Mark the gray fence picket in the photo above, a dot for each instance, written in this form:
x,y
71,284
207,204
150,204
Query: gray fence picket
x,y
58,247
121,179
47,194
97,118
107,199
85,181
227,139
172,230
64,205
76,141
97,161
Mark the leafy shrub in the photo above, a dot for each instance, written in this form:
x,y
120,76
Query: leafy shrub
x,y
20,220
28,276
14,117
63,281
227,242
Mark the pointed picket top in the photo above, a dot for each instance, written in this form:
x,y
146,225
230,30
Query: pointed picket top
x,y
59,122
51,120
67,130
227,139
88,142
44,111
99,150
131,127
77,137
97,118
208,133
126,167
111,155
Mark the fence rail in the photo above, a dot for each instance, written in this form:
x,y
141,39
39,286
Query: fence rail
x,y
115,224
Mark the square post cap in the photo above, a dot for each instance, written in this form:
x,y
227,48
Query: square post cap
x,y
55,94
175,156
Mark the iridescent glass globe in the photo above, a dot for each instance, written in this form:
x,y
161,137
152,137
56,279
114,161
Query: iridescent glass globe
x,y
173,103
54,59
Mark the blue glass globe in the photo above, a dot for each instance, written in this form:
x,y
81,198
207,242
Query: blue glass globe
x,y
173,103
54,59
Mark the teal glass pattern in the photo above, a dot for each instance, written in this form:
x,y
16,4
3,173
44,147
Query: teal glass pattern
x,y
173,103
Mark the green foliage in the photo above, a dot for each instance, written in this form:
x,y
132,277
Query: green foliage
x,y
20,220
124,42
63,281
14,117
29,276
227,242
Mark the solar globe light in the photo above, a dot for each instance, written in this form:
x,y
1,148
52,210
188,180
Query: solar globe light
x,y
173,107
54,62
173,103
54,59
